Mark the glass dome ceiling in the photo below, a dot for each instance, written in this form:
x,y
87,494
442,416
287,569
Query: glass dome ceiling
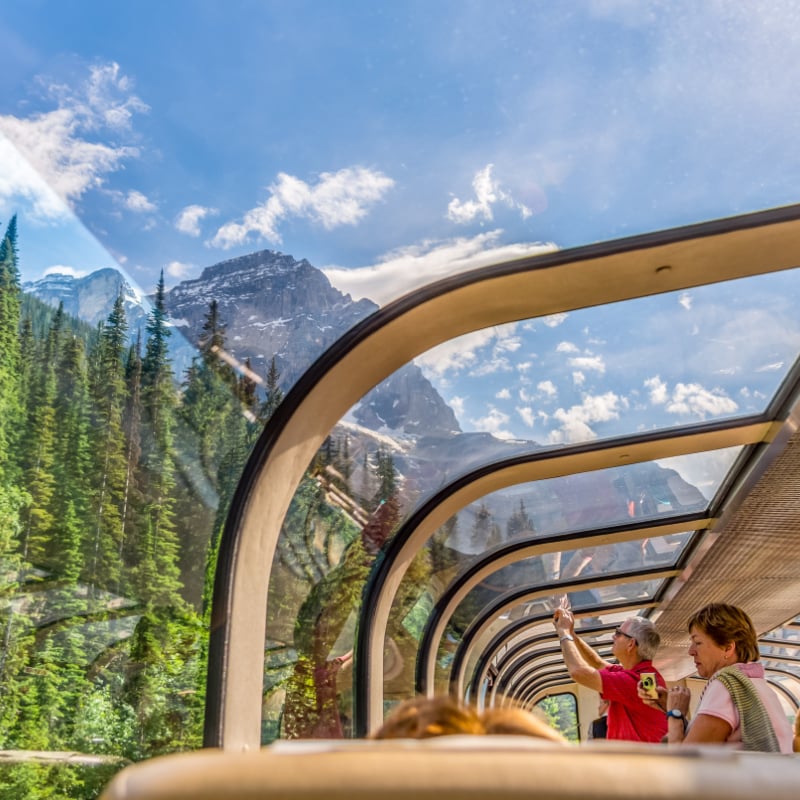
x,y
551,414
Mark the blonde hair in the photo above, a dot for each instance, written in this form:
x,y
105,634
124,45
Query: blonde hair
x,y
518,722
426,717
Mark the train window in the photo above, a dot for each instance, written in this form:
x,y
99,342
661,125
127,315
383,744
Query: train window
x,y
561,710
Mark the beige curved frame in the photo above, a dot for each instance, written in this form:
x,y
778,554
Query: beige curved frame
x,y
549,284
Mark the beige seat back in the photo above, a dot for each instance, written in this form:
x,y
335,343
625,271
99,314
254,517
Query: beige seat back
x,y
455,767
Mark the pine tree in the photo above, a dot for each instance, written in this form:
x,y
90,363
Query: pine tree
x,y
38,446
274,395
72,464
210,396
132,428
10,360
247,391
157,577
481,527
386,475
519,523
109,446
12,498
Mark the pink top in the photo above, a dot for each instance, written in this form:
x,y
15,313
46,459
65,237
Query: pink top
x,y
716,702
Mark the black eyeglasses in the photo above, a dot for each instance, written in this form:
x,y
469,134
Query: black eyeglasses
x,y
620,632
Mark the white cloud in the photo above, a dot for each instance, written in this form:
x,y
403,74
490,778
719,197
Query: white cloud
x,y
658,390
177,269
594,363
403,270
338,198
20,181
57,143
189,219
694,399
509,344
494,423
554,320
524,366
487,193
61,269
566,347
457,404
501,339
503,394
454,355
576,421
685,300
774,367
548,388
527,415
578,378
491,366
136,201
690,399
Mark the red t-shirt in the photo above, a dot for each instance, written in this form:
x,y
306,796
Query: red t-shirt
x,y
628,717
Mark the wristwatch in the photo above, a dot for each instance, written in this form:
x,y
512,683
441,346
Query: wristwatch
x,y
566,638
675,713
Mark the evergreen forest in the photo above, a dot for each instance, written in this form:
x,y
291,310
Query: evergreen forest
x,y
115,480
116,477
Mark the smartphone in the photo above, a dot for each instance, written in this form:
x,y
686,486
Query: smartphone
x,y
649,684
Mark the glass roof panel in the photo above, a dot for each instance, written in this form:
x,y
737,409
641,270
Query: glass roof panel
x,y
792,667
791,648
588,502
712,352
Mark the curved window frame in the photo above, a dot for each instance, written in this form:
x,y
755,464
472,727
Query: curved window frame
x,y
531,287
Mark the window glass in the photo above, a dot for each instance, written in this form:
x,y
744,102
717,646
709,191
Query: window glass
x,y
561,711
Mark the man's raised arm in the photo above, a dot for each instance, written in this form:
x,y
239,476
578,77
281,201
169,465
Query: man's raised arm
x,y
581,660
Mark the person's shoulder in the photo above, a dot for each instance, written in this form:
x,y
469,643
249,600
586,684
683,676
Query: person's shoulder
x,y
751,669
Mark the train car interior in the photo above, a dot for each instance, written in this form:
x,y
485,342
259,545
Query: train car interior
x,y
360,354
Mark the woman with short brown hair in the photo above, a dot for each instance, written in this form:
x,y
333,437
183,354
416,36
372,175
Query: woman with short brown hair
x,y
737,706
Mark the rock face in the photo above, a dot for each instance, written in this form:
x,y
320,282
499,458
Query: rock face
x,y
274,305
91,298
406,402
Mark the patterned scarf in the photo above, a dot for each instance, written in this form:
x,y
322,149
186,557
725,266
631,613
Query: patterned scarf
x,y
757,731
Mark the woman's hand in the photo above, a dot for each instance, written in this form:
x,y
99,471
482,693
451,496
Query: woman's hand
x,y
660,703
679,697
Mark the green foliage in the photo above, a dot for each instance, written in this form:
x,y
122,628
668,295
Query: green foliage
x,y
561,712
57,781
87,537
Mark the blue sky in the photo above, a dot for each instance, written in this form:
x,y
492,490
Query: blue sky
x,y
391,143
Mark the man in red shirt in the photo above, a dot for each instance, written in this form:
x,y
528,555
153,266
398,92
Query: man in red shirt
x,y
635,644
